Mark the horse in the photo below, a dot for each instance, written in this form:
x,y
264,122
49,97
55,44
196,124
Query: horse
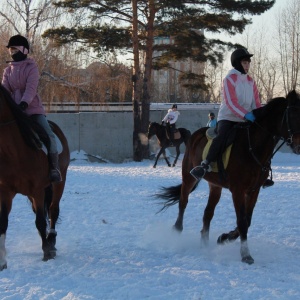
x,y
24,169
163,141
248,167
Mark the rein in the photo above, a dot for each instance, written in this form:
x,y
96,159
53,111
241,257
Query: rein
x,y
7,123
288,141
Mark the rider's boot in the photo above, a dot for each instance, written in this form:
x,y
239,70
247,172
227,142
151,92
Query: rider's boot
x,y
198,172
55,175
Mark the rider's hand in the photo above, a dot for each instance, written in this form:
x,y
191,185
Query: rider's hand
x,y
250,116
23,105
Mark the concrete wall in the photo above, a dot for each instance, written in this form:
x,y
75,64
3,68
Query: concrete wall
x,y
109,134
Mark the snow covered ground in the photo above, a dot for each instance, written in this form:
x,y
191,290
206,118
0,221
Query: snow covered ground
x,y
112,244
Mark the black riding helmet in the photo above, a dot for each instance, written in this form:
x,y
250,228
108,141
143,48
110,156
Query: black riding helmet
x,y
18,40
238,55
211,114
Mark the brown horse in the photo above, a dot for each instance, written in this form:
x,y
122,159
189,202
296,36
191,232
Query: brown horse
x,y
247,170
160,132
24,169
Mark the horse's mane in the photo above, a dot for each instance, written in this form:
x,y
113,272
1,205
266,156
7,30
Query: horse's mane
x,y
272,107
30,130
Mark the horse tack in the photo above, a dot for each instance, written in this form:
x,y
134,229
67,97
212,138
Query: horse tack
x,y
24,169
244,170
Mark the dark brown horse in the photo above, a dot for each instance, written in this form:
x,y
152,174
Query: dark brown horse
x,y
24,169
247,170
164,142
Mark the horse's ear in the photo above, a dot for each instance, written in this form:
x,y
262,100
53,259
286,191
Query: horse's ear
x,y
292,98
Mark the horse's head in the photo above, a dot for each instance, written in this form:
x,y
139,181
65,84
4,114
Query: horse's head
x,y
292,119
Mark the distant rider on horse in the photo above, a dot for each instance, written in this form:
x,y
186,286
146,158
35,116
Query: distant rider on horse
x,y
170,120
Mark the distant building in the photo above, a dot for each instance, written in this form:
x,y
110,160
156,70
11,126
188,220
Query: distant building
x,y
165,83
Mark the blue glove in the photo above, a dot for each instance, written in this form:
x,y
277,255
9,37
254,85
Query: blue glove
x,y
250,116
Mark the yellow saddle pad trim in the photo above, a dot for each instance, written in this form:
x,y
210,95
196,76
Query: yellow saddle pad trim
x,y
225,155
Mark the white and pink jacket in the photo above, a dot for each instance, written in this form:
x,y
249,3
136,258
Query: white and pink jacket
x,y
240,96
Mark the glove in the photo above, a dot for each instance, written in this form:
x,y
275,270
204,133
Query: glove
x,y
23,105
250,116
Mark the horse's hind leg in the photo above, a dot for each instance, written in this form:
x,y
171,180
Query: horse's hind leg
x,y
185,191
213,200
5,208
177,155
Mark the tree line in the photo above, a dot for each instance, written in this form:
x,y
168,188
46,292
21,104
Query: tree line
x,y
77,44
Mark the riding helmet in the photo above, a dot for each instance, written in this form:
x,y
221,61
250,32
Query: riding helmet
x,y
18,40
174,106
211,114
238,55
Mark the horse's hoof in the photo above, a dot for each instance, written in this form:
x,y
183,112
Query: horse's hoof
x,y
3,267
50,255
173,165
222,239
178,228
154,167
248,260
169,165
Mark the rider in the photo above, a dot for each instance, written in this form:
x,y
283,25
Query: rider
x,y
170,119
21,79
239,97
212,122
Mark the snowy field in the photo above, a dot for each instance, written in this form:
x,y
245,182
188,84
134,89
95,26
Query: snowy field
x,y
112,244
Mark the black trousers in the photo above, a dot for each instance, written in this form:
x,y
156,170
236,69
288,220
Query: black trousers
x,y
223,129
171,129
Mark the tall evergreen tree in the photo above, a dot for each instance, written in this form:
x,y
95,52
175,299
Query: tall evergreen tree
x,y
131,25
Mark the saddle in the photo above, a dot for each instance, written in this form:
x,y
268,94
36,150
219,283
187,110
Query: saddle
x,y
222,162
176,133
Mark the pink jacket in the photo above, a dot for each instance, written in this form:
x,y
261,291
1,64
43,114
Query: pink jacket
x,y
240,96
21,79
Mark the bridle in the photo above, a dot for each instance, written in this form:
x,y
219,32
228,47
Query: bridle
x,y
289,140
291,133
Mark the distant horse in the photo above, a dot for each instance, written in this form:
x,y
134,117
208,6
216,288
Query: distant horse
x,y
164,142
24,169
247,170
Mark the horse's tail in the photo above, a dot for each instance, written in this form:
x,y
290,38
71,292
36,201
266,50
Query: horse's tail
x,y
171,195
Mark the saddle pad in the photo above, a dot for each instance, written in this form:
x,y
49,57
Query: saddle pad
x,y
225,156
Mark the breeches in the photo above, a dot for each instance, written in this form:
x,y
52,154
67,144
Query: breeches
x,y
42,120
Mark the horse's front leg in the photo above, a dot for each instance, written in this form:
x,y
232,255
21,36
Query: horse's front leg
x,y
213,200
166,158
41,225
244,210
5,208
177,155
157,157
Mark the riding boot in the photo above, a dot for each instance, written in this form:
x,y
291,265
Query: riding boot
x,y
55,175
268,183
199,171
